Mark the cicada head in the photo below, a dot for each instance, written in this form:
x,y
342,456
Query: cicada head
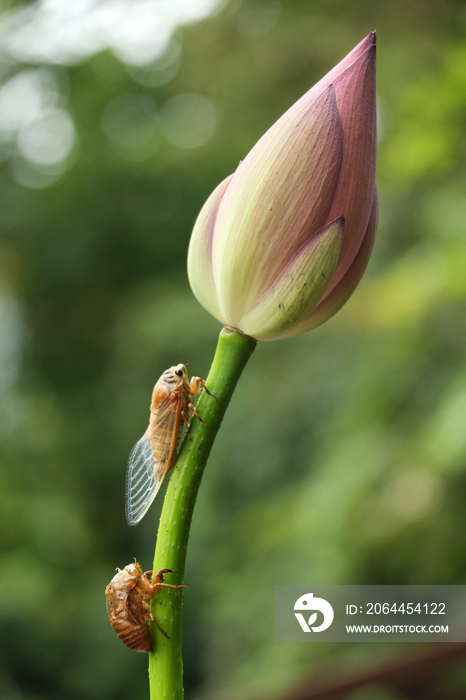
x,y
181,373
134,570
125,579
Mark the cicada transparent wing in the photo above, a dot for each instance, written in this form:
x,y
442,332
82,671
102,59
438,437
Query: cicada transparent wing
x,y
141,486
150,459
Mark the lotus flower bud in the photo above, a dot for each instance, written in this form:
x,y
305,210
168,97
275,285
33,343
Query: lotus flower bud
x,y
282,243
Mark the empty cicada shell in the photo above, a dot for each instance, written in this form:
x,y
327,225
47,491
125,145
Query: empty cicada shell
x,y
128,595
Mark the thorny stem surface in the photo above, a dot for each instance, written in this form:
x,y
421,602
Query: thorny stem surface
x,y
165,663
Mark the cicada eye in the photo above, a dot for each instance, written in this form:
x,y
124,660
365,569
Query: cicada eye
x,y
179,372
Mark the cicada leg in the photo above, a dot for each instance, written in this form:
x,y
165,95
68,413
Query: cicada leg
x,y
158,582
190,405
195,387
146,606
158,626
185,421
157,586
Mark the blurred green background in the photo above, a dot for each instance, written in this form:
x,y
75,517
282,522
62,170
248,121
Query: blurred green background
x,y
342,456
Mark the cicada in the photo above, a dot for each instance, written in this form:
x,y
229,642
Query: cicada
x,y
155,453
128,595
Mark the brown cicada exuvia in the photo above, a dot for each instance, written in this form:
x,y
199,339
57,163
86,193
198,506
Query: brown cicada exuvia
x,y
128,597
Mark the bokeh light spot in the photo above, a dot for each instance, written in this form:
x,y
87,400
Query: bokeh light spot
x,y
130,122
161,70
49,140
188,120
256,18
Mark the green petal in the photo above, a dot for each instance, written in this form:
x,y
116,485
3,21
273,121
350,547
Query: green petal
x,y
200,271
298,288
332,301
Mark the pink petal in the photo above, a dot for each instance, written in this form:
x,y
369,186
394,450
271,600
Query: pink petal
x,y
355,95
279,196
349,59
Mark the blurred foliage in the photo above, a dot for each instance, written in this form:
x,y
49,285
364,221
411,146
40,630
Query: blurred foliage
x,y
342,457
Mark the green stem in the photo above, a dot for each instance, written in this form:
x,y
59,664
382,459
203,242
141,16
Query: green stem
x,y
165,663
